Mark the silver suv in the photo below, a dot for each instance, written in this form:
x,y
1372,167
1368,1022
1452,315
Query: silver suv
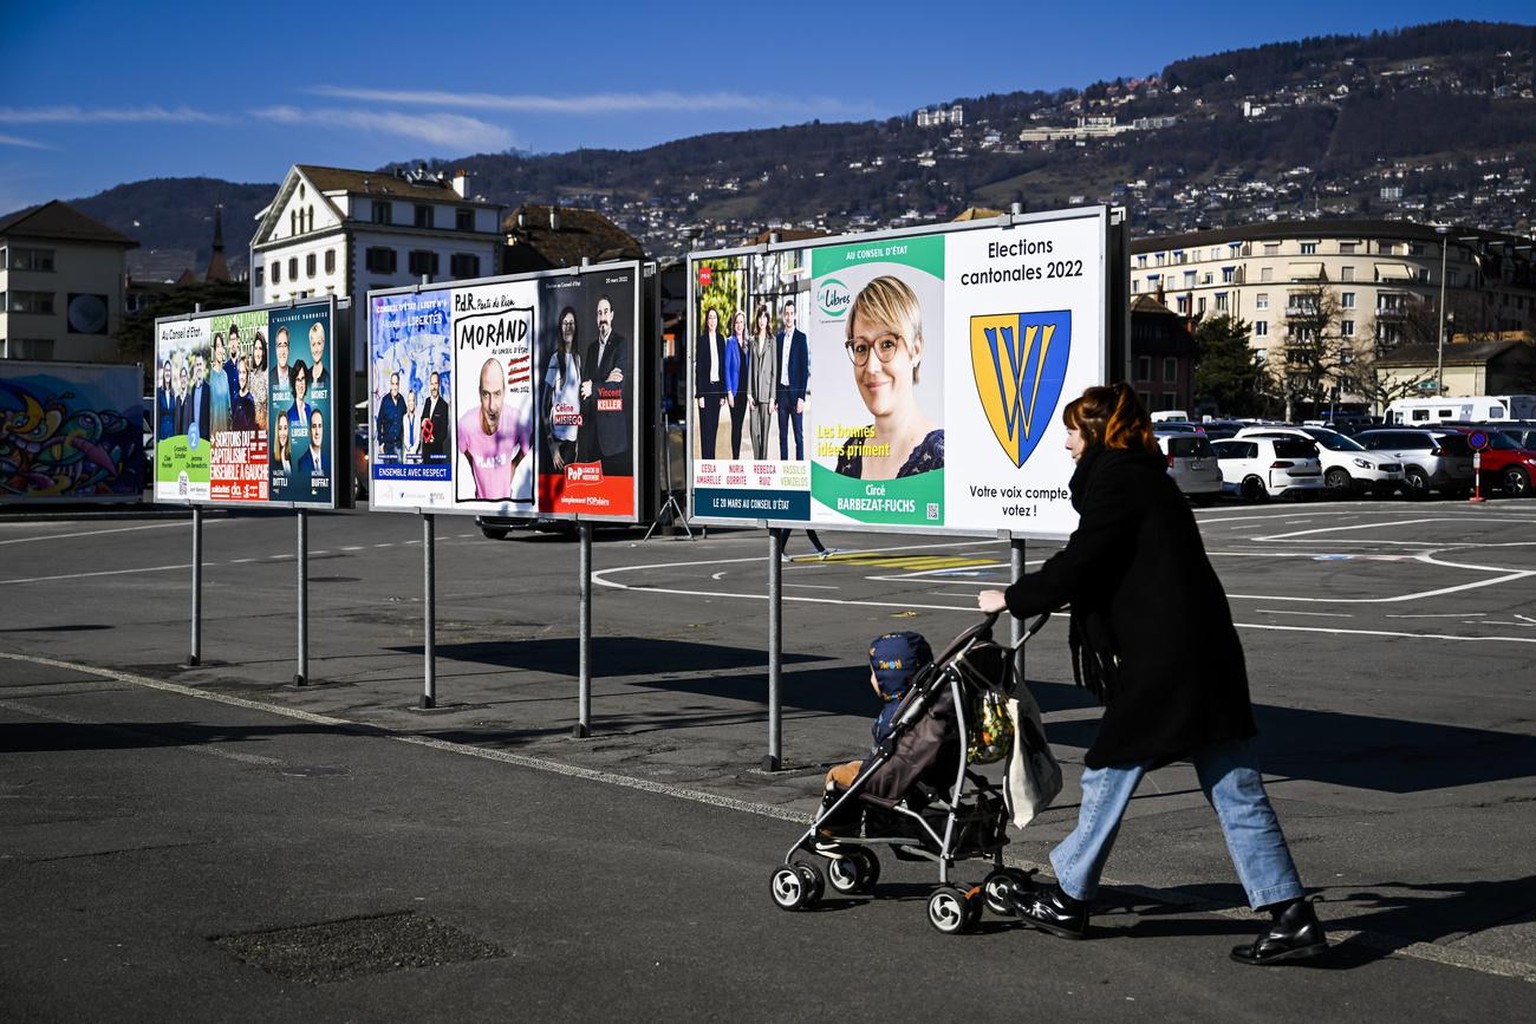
x,y
1433,460
1192,464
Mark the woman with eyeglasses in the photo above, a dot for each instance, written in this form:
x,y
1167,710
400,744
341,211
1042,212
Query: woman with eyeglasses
x,y
885,344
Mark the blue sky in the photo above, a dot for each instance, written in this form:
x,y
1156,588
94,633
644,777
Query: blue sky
x,y
94,94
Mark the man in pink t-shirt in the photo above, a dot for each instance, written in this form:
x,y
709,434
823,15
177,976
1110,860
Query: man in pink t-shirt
x,y
494,443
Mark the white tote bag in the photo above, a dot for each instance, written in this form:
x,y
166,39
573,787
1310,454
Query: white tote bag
x,y
1034,775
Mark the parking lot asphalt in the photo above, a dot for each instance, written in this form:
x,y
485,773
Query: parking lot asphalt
x,y
1389,646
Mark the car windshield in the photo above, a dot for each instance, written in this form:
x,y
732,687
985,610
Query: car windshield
x,y
1500,441
1333,440
1453,444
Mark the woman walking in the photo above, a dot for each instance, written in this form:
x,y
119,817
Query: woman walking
x,y
1152,637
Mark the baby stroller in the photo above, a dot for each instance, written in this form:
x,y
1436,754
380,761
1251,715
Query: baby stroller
x,y
918,797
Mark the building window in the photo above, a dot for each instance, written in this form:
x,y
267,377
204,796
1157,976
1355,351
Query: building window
x,y
423,215
463,219
1271,248
1347,328
1146,399
1260,328
1170,401
309,265
1143,367
256,276
28,302
1221,302
1266,273
1200,305
1346,273
1161,258
381,212
1189,279
1184,304
277,272
1170,369
30,348
1261,300
293,222
380,260
1346,300
1141,261
17,258
462,265
1309,248
1347,248
1228,275
330,261
293,268
1415,248
422,262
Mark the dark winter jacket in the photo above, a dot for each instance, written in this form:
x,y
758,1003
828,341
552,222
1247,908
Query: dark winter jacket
x,y
1151,631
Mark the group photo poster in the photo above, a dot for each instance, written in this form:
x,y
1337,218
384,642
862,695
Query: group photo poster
x,y
878,418
239,386
410,399
937,367
588,378
511,397
300,405
750,382
493,328
183,409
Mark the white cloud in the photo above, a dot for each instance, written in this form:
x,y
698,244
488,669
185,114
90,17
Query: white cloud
x,y
453,131
102,115
595,104
16,140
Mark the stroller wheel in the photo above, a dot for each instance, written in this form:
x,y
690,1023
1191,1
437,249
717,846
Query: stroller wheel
x,y
857,871
814,886
953,910
791,889
999,887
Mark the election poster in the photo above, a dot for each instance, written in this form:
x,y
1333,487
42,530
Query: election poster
x,y
411,411
301,408
493,391
937,366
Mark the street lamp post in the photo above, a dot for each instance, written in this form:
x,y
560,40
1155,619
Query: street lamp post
x,y
1443,230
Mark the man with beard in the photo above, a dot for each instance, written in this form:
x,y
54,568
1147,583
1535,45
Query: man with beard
x,y
605,397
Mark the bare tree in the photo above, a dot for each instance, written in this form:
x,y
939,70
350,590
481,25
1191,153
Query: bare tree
x,y
1316,358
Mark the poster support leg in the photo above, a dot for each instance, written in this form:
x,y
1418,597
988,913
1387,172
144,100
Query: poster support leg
x,y
1016,626
583,727
775,759
196,656
301,676
429,602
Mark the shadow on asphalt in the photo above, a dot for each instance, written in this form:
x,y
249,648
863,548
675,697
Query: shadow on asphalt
x,y
611,655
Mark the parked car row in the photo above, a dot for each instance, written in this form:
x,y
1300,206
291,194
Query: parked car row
x,y
1262,461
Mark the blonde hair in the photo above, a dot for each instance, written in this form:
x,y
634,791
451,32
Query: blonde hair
x,y
890,301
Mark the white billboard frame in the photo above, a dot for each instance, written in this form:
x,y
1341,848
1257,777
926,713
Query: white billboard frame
x,y
536,283
1045,263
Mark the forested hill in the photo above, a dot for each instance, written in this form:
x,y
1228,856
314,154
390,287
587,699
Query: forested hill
x,y
1435,122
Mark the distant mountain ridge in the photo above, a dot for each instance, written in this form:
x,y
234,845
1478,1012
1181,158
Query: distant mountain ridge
x,y
1435,122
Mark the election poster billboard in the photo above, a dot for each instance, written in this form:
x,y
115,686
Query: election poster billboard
x,y
900,381
511,396
71,432
246,402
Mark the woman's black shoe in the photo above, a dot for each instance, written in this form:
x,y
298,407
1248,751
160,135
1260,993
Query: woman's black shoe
x,y
1052,910
1295,934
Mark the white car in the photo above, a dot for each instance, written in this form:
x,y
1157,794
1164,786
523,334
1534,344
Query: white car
x,y
1348,468
1192,464
1258,468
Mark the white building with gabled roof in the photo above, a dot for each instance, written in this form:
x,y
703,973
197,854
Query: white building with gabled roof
x,y
331,231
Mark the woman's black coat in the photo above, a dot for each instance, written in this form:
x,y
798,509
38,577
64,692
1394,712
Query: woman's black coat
x,y
1158,642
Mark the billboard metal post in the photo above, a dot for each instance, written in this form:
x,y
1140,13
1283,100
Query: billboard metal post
x,y
195,657
1016,626
301,677
583,727
775,759
429,600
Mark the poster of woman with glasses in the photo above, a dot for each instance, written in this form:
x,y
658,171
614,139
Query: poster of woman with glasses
x,y
877,343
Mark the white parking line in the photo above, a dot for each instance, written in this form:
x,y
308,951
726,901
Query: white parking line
x,y
98,533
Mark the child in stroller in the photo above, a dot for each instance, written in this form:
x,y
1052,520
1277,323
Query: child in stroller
x,y
894,661
916,794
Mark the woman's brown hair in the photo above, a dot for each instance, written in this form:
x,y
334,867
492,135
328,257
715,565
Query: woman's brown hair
x,y
1112,416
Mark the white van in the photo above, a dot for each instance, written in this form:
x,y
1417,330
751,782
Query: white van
x,y
1170,416
1414,412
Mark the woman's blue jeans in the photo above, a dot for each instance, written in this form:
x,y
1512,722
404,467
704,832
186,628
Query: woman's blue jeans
x,y
1229,777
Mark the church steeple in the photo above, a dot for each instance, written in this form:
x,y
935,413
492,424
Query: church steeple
x,y
218,270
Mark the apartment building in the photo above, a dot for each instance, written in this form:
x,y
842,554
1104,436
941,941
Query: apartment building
x,y
62,278
1384,276
331,231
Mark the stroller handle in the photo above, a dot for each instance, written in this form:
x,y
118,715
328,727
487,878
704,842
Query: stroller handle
x,y
1031,629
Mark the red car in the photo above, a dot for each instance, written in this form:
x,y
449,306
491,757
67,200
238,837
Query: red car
x,y
1505,465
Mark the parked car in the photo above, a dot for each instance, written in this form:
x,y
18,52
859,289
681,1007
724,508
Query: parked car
x,y
1259,468
1433,458
1192,464
360,463
1347,467
1506,464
